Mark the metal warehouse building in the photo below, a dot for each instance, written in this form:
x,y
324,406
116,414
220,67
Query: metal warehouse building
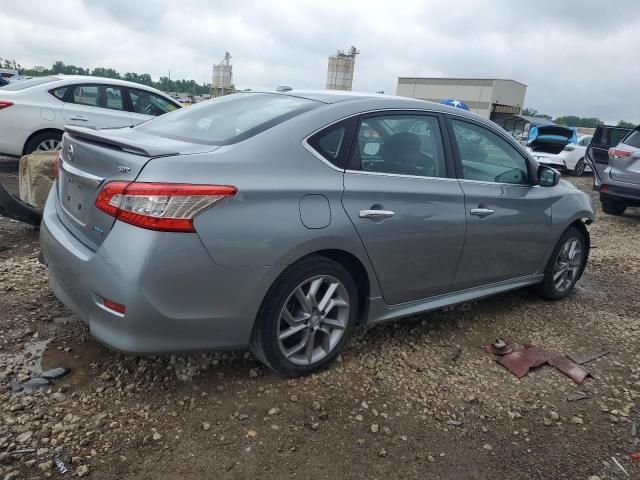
x,y
492,98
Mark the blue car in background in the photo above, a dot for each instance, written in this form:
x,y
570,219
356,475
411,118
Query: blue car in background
x,y
559,147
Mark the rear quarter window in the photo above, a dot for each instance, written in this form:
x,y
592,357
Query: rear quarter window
x,y
633,139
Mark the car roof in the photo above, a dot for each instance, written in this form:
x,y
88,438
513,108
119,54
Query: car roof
x,y
376,100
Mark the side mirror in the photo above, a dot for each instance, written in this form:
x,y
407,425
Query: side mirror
x,y
547,176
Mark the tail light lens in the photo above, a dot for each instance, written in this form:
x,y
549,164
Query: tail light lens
x,y
5,104
618,153
168,207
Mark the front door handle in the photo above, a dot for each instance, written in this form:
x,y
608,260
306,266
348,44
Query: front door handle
x,y
79,119
481,212
376,214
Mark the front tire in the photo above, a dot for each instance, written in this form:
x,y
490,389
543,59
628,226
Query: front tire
x,y
613,207
306,318
565,266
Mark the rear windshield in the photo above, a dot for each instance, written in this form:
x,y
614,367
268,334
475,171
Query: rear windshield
x,y
228,119
633,140
33,82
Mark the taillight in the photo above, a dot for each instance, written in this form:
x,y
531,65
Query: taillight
x,y
5,104
618,153
169,207
604,188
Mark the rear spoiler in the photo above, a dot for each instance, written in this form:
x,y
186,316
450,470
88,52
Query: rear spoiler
x,y
13,207
118,138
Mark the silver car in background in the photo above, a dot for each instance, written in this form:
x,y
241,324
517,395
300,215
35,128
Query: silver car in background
x,y
279,221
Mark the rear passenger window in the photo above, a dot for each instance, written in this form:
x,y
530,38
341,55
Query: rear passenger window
x,y
333,142
101,96
399,144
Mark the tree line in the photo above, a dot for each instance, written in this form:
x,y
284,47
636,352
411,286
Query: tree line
x,y
164,83
573,120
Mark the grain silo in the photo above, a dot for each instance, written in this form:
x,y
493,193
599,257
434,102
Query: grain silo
x,y
222,80
340,70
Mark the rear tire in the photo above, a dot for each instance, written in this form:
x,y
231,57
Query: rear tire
x,y
580,167
43,142
306,318
565,266
613,207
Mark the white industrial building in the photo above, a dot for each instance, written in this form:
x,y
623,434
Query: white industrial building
x,y
491,98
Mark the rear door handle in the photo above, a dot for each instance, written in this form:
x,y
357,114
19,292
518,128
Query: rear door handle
x,y
481,212
377,214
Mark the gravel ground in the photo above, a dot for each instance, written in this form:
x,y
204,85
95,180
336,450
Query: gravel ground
x,y
412,399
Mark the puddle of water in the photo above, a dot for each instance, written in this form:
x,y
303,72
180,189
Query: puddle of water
x,y
79,359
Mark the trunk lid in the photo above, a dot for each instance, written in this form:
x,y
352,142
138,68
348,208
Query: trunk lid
x,y
551,138
91,158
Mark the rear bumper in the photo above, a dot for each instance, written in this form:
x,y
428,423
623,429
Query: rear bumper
x,y
177,299
629,196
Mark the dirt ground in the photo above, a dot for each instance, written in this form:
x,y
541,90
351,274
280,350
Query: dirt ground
x,y
412,400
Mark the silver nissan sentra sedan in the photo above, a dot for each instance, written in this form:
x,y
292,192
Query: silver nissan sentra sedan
x,y
278,221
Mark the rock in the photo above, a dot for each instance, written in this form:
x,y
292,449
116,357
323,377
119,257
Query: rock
x,y
382,453
431,458
59,397
55,373
36,383
243,416
5,458
206,426
359,418
577,420
364,405
374,427
46,466
82,471
273,411
252,433
547,422
24,437
254,373
553,415
316,406
293,398
156,436
11,475
594,477
487,447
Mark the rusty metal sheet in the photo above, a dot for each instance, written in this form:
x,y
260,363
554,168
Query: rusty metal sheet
x,y
520,361
569,368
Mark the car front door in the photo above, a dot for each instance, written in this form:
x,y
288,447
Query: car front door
x,y
508,217
147,105
95,106
407,207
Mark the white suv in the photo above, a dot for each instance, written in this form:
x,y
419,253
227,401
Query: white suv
x,y
33,112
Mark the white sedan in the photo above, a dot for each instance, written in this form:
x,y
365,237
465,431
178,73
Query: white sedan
x,y
33,112
570,158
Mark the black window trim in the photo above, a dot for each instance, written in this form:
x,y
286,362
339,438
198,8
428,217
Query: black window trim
x,y
531,165
339,163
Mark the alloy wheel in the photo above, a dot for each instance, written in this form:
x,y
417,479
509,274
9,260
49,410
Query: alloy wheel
x,y
580,167
48,145
313,320
567,266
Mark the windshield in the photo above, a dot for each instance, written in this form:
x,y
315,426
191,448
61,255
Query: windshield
x,y
228,119
33,82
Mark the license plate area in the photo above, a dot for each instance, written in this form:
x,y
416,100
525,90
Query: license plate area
x,y
73,196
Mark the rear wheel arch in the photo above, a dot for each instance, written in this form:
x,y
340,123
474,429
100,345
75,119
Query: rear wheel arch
x,y
56,131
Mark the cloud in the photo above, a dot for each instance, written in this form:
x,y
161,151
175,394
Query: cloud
x,y
577,57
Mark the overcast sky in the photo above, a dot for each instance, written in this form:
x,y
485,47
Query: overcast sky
x,y
575,57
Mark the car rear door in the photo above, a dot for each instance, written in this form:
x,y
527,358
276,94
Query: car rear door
x,y
95,106
597,152
508,217
407,207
